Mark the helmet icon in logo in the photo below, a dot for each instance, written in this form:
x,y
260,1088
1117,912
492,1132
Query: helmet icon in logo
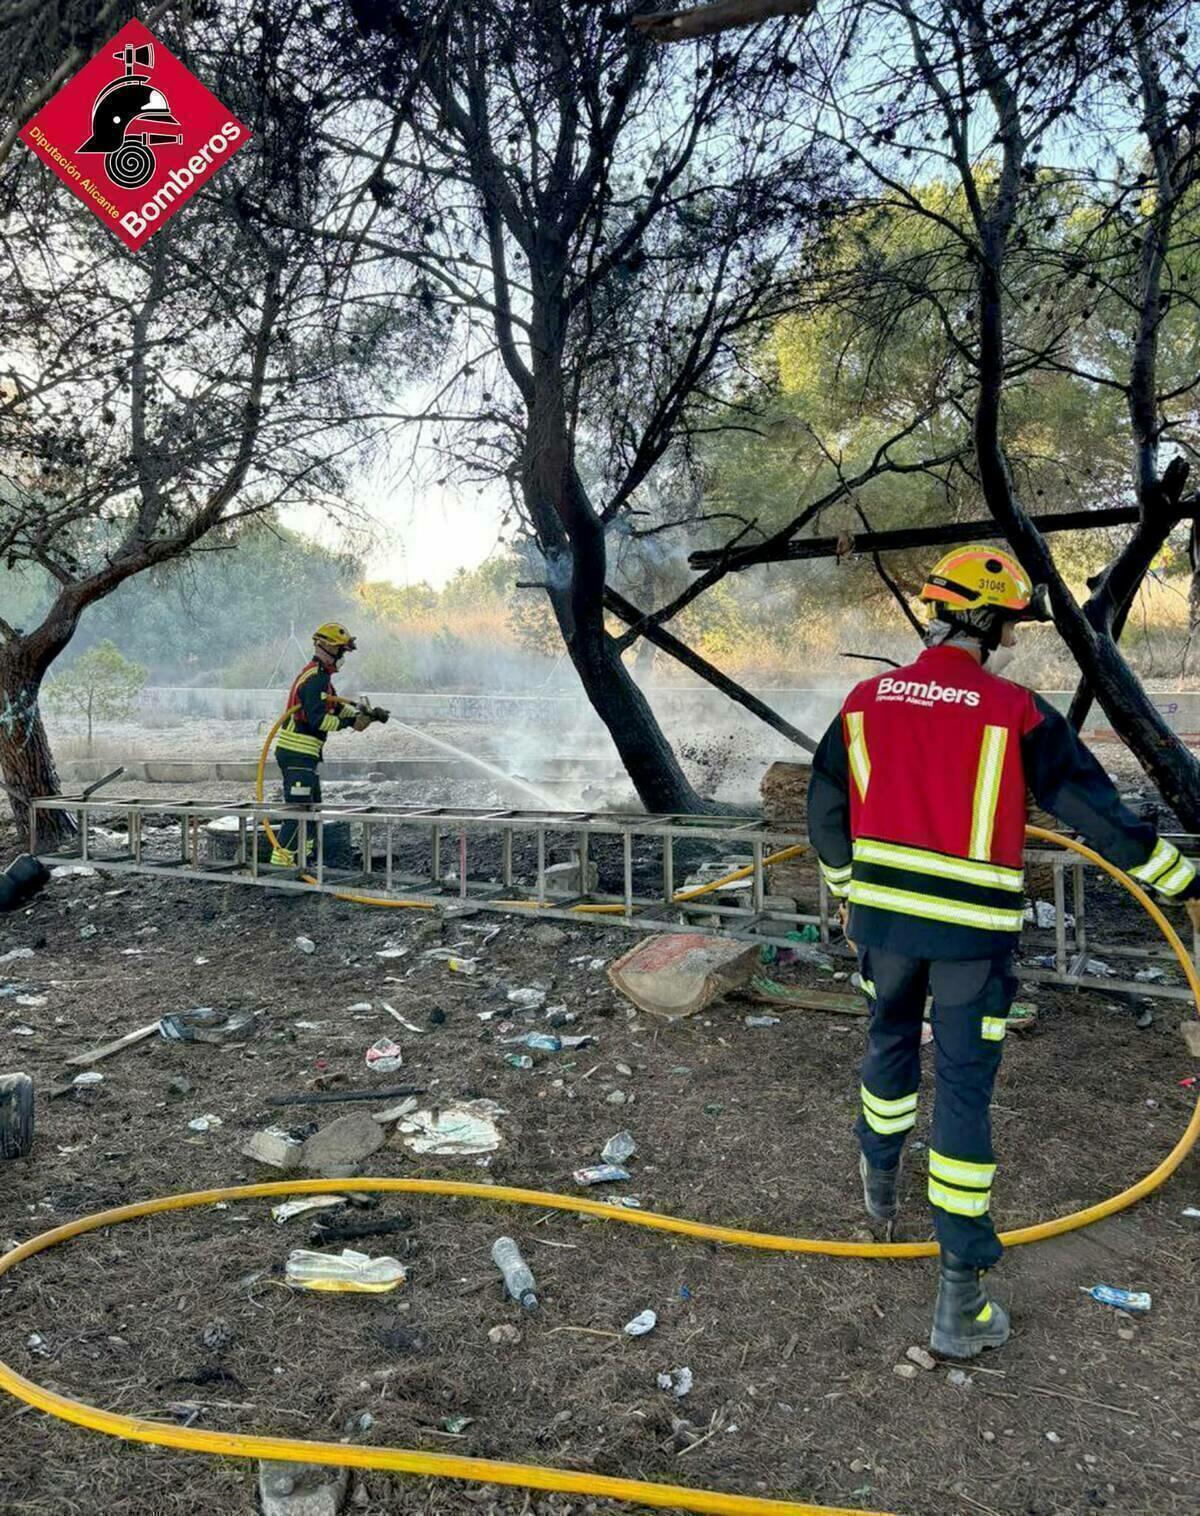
x,y
121,121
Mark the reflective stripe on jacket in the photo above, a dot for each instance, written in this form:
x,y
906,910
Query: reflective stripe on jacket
x,y
917,806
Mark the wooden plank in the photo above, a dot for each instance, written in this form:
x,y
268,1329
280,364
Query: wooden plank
x,y
84,1060
907,537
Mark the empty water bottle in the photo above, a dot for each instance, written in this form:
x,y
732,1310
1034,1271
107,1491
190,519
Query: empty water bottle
x,y
517,1277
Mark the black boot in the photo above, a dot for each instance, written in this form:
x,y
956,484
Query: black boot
x,y
879,1190
965,1321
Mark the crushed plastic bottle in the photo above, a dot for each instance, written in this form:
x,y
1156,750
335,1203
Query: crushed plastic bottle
x,y
1123,1300
518,1279
347,1271
619,1148
519,1060
601,1173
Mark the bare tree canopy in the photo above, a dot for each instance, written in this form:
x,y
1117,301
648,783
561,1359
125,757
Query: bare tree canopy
x,y
720,16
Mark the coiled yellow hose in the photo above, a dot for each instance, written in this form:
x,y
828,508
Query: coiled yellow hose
x,y
534,1476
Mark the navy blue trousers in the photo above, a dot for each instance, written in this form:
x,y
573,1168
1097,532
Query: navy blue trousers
x,y
970,1006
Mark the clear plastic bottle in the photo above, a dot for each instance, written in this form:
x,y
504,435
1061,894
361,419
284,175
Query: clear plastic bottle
x,y
517,1276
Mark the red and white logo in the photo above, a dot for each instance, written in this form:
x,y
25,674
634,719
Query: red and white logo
x,y
134,134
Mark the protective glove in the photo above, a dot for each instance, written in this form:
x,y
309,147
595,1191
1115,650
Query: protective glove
x,y
844,923
1193,909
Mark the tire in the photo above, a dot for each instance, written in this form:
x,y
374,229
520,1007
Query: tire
x,y
16,1115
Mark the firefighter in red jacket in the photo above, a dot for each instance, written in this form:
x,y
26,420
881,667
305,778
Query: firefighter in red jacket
x,y
916,809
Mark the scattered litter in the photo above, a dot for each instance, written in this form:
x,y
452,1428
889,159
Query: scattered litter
x,y
1145,1018
36,1344
205,1123
532,1000
679,974
394,1112
455,1130
539,1042
762,1020
573,1044
88,1077
504,1335
627,1202
391,952
358,1007
679,1381
32,1002
306,1203
199,962
456,1425
518,1277
922,1357
1150,976
1042,914
204,1024
179,1087
89,930
330,1229
596,964
1098,968
617,1097
1021,1016
619,1148
22,1031
385,1056
603,1173
1192,1211
645,1322
1123,1300
958,1378
461,965
409,1026
15,953
328,1097
769,992
519,1060
347,1271
72,871
306,944
273,1147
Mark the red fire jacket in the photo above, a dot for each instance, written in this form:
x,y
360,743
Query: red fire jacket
x,y
917,808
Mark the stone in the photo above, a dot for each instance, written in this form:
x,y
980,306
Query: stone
x,y
275,1148
618,1097
337,1151
904,1370
922,1357
546,935
1126,1334
504,1335
301,1489
306,944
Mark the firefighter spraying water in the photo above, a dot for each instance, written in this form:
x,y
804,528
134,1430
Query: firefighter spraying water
x,y
916,809
315,711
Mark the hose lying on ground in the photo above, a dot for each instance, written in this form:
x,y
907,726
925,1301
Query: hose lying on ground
x,y
534,1476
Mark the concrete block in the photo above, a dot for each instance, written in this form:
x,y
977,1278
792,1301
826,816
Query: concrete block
x,y
275,1148
301,1489
338,1150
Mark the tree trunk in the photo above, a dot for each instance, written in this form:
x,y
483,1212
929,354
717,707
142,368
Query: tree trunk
x,y
26,761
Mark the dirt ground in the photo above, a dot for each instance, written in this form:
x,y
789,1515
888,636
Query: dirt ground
x,y
794,1391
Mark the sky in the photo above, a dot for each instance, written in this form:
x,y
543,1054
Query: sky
x,y
422,532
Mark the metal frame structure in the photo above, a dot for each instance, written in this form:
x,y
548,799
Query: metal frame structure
x,y
1071,946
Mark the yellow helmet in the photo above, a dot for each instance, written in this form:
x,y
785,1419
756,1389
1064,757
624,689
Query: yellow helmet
x,y
981,578
334,638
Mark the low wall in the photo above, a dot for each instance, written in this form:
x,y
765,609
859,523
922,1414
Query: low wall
x,y
810,708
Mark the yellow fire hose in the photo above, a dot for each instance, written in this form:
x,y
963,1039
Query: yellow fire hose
x,y
533,1476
